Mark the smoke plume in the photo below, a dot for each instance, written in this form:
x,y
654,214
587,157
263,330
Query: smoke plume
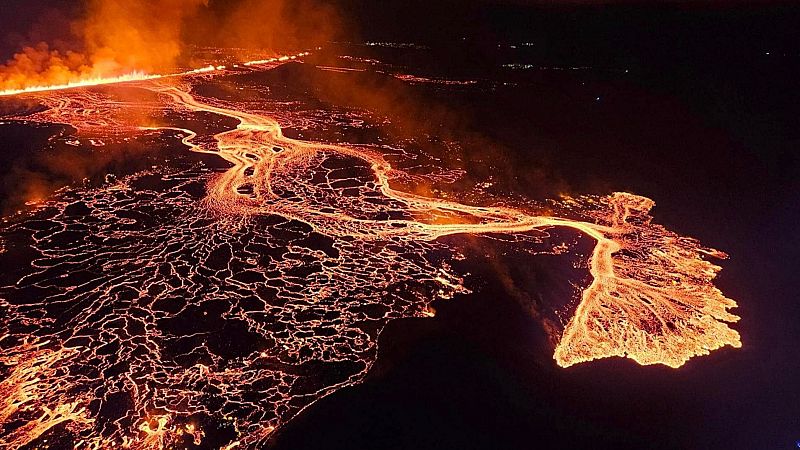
x,y
117,37
114,37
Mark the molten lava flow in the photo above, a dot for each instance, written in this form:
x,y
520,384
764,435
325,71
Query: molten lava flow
x,y
173,302
651,298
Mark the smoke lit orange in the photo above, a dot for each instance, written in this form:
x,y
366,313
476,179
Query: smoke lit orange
x,y
140,76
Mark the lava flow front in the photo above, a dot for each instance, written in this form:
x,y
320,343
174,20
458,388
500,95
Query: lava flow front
x,y
186,306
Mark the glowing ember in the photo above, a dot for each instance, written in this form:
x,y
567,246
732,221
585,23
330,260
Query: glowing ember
x,y
171,302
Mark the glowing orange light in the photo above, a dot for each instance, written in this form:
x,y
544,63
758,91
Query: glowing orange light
x,y
688,314
98,81
138,76
651,298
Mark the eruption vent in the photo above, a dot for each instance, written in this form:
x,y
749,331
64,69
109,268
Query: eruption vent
x,y
119,40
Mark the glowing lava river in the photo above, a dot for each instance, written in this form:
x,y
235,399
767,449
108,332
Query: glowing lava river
x,y
192,308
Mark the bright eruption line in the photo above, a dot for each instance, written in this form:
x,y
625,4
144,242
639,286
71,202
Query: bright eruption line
x,y
98,81
142,76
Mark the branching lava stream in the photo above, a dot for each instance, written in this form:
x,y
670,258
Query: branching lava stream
x,y
170,309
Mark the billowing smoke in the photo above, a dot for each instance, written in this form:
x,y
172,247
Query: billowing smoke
x,y
269,24
116,37
122,35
